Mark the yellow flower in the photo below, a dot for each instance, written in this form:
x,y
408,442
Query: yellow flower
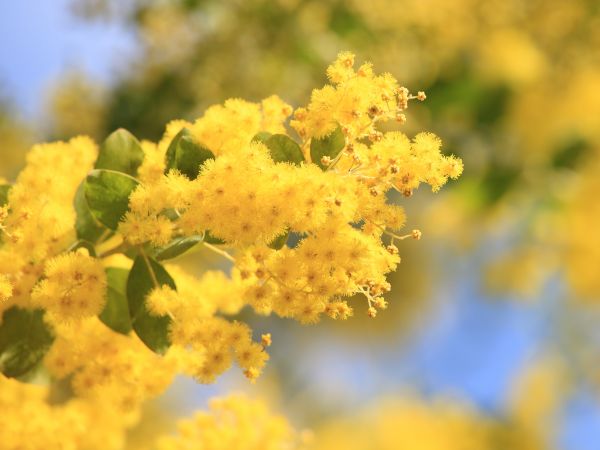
x,y
6,288
233,422
74,286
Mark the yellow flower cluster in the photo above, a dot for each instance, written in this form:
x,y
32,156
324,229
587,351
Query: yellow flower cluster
x,y
336,261
33,419
5,288
407,423
40,221
74,286
310,224
36,418
211,342
356,100
337,207
229,128
224,129
105,364
395,161
234,422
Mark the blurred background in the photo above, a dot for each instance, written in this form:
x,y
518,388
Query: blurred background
x,y
491,339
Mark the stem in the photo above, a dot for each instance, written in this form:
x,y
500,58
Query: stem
x,y
152,274
103,236
219,251
118,249
391,234
336,160
306,151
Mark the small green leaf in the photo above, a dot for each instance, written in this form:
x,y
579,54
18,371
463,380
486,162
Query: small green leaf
x,y
172,214
86,226
186,155
284,149
570,152
4,189
330,145
116,312
24,340
498,180
145,275
294,239
210,239
177,247
279,241
261,136
107,194
121,151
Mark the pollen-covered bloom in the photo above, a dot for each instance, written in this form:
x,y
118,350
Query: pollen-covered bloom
x,y
5,288
254,195
233,422
306,226
74,286
211,343
31,421
37,223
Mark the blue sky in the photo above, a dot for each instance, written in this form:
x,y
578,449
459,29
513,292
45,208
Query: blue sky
x,y
39,40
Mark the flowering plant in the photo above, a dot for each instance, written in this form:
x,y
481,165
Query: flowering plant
x,y
86,286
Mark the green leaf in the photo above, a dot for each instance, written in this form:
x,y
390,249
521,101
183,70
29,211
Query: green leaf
x,y
107,194
294,239
86,226
570,152
330,145
210,239
116,312
121,151
279,241
170,214
186,155
498,180
4,189
24,340
177,247
284,149
145,275
261,136
81,243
